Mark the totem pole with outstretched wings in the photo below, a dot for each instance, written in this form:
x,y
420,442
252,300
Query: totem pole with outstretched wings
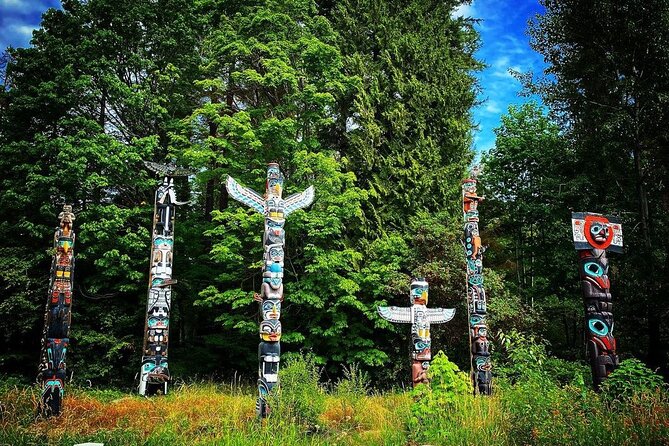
x,y
276,210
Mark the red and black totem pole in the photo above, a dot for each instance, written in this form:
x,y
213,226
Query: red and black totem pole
x,y
57,316
594,234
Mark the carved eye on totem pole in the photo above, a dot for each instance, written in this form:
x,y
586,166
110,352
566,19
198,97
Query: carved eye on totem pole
x,y
275,208
599,231
421,344
275,232
275,253
601,335
598,327
483,363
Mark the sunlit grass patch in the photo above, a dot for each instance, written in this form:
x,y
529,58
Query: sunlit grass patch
x,y
534,411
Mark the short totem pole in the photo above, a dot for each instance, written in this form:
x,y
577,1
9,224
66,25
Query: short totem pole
x,y
57,316
476,301
420,317
276,210
154,374
594,234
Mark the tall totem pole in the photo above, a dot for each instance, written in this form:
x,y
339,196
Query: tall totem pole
x,y
154,374
594,234
476,301
57,316
276,210
420,317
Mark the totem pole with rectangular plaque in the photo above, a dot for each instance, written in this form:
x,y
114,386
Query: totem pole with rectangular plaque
x,y
594,235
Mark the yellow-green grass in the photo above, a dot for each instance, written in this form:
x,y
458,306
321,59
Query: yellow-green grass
x,y
195,414
207,414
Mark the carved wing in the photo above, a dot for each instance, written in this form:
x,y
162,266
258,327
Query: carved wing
x,y
245,195
396,314
439,315
298,201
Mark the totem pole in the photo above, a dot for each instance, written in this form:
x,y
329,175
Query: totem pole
x,y
154,374
276,210
57,316
476,300
594,234
420,319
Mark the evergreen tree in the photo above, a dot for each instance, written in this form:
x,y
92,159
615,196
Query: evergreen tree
x,y
407,132
83,106
607,79
530,181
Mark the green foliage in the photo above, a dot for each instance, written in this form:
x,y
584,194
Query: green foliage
x,y
354,384
409,142
367,100
522,357
631,378
204,414
604,82
447,385
529,183
300,398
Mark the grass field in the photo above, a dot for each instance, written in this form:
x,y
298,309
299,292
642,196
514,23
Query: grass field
x,y
305,412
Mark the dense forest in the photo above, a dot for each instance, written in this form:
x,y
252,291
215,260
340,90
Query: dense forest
x,y
371,102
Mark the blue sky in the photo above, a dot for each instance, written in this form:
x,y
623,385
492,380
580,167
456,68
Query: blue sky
x,y
504,46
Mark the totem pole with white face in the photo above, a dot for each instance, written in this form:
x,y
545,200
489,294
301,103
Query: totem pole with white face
x,y
593,235
154,374
57,317
276,210
420,317
476,299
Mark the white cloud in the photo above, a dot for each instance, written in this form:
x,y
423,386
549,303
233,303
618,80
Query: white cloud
x,y
501,62
12,3
492,107
24,6
464,11
24,30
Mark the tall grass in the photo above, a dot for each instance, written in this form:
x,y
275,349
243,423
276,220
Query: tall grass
x,y
349,412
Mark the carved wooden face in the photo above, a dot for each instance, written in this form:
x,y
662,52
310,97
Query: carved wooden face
x,y
419,292
270,330
598,231
271,309
274,181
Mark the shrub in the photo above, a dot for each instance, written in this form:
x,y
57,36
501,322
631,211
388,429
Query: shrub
x,y
523,357
300,397
354,384
447,383
630,378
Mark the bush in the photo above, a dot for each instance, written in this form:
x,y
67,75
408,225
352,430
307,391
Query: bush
x,y
354,384
630,378
522,358
300,397
431,401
